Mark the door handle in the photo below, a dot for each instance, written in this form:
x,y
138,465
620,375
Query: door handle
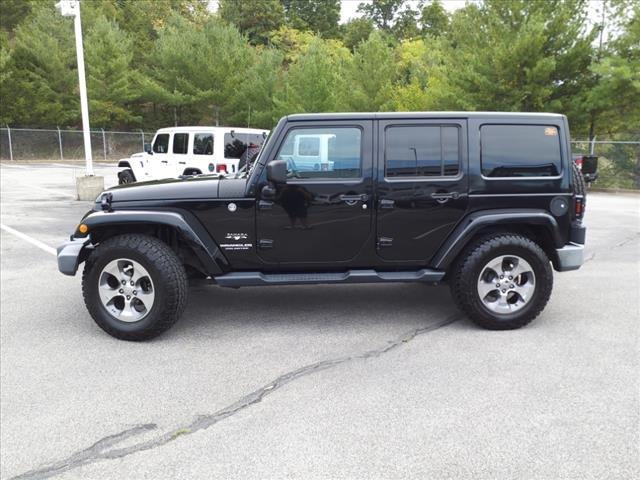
x,y
182,163
385,203
354,198
265,205
443,197
164,161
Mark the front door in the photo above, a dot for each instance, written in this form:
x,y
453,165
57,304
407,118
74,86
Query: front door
x,y
422,186
323,212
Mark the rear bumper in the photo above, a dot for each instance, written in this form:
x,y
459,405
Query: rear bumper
x,y
570,257
71,253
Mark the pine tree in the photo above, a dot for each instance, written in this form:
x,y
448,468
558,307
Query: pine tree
x,y
111,85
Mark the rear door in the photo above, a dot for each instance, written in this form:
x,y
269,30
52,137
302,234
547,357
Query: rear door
x,y
180,149
160,161
422,186
323,212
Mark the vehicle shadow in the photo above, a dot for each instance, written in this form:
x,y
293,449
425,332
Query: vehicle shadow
x,y
210,307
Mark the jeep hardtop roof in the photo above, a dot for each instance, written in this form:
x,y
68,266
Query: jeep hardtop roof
x,y
417,115
207,128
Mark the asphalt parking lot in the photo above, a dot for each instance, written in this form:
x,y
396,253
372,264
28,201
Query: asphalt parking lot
x,y
356,381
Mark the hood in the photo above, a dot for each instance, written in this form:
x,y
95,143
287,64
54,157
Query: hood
x,y
203,186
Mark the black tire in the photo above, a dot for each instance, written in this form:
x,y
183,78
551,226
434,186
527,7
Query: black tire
x,y
126,176
579,186
466,272
168,276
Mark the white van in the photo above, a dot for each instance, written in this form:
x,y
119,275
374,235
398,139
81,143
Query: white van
x,y
179,151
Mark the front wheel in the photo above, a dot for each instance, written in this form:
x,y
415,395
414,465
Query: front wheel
x,y
134,286
502,282
125,177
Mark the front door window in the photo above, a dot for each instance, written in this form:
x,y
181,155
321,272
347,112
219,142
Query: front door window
x,y
321,214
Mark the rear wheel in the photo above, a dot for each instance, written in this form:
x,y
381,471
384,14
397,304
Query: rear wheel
x,y
502,282
134,287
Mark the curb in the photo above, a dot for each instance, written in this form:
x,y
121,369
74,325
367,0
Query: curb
x,y
620,191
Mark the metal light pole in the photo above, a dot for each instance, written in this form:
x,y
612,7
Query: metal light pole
x,y
71,8
87,187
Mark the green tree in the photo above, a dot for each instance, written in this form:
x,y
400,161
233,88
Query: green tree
x,y
110,77
6,75
319,16
316,81
13,12
194,70
371,75
514,56
291,42
255,18
252,104
406,25
612,101
434,19
356,31
43,85
381,12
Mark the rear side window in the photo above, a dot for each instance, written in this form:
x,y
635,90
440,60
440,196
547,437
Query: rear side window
x,y
180,142
422,151
203,144
161,144
520,151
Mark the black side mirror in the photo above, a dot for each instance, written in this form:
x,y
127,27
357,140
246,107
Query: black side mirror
x,y
277,171
148,149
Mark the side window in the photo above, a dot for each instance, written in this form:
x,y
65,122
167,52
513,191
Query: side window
x,y
161,144
203,144
520,151
180,143
422,151
334,152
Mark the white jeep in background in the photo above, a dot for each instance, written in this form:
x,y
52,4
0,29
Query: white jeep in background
x,y
179,151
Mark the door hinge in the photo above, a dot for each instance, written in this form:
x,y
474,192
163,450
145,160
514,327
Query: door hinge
x,y
384,242
265,243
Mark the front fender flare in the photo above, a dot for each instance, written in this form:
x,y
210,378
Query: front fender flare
x,y
190,229
473,222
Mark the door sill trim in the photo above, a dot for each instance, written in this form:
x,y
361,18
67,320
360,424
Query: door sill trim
x,y
250,279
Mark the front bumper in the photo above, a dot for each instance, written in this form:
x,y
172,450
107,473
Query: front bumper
x,y
570,257
71,253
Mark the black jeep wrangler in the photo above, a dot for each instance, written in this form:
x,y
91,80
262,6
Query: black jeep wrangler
x,y
487,202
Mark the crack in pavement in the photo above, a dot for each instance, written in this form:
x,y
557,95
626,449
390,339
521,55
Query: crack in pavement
x,y
617,245
102,449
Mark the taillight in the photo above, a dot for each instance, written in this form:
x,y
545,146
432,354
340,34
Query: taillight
x,y
579,162
221,168
579,206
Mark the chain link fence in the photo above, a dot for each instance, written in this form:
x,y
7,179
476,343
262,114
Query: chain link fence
x,y
618,163
59,145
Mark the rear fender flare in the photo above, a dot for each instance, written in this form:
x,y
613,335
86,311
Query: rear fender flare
x,y
190,229
473,222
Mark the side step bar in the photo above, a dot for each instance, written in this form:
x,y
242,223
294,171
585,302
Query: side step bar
x,y
251,279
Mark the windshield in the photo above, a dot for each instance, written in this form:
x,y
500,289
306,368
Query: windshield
x,y
252,158
235,144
